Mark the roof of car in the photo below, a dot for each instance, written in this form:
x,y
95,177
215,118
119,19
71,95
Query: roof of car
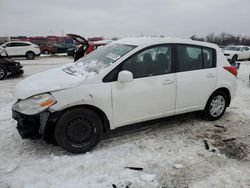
x,y
144,41
238,46
18,41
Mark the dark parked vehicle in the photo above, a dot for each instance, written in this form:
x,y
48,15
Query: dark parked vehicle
x,y
71,51
62,48
9,67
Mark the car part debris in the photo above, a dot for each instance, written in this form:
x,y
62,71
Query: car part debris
x,y
220,126
213,150
229,140
206,144
134,168
178,166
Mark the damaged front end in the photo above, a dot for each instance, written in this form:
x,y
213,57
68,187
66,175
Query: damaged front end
x,y
33,116
36,126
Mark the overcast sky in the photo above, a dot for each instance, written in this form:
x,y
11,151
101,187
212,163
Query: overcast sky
x,y
123,18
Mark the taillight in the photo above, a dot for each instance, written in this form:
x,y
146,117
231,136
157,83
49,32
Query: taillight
x,y
232,70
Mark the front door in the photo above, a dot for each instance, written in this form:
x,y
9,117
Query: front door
x,y
152,92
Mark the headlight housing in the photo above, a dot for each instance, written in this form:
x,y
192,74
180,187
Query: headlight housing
x,y
35,104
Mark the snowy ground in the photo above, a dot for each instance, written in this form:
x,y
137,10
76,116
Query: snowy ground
x,y
171,153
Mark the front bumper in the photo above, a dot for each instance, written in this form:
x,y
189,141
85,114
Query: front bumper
x,y
34,126
16,69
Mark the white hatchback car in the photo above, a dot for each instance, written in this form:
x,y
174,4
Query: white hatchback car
x,y
21,49
125,82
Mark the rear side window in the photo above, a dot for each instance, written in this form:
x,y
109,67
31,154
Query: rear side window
x,y
189,58
194,58
208,57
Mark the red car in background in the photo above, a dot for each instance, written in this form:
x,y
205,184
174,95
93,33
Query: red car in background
x,y
46,48
85,47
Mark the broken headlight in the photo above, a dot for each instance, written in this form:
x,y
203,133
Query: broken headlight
x,y
35,104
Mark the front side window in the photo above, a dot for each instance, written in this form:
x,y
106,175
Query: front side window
x,y
150,62
98,60
189,58
9,45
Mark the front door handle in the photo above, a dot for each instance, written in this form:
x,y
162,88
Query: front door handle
x,y
168,82
210,75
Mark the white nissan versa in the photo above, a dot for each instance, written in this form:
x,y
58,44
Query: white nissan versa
x,y
125,82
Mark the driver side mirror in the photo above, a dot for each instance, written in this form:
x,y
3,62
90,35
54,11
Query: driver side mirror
x,y
4,46
125,76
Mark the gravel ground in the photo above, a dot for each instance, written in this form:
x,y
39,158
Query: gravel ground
x,y
171,152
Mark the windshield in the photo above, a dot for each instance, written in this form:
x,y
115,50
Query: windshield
x,y
232,48
98,60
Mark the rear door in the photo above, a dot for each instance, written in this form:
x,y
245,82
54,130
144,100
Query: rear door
x,y
196,77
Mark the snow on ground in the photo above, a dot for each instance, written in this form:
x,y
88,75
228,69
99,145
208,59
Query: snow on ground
x,y
171,152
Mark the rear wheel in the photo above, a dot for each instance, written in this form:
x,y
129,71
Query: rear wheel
x,y
78,130
216,106
30,55
3,73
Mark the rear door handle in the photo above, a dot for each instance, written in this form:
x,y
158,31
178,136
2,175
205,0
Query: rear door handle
x,y
210,75
168,82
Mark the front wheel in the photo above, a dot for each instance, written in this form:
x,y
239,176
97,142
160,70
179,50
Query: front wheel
x,y
216,106
78,130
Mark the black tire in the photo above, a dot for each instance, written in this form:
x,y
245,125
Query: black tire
x,y
3,73
208,111
234,58
46,52
30,55
78,130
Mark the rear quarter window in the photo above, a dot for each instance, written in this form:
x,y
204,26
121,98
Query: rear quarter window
x,y
189,58
192,57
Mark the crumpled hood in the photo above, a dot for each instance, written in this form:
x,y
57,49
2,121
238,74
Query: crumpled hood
x,y
51,80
